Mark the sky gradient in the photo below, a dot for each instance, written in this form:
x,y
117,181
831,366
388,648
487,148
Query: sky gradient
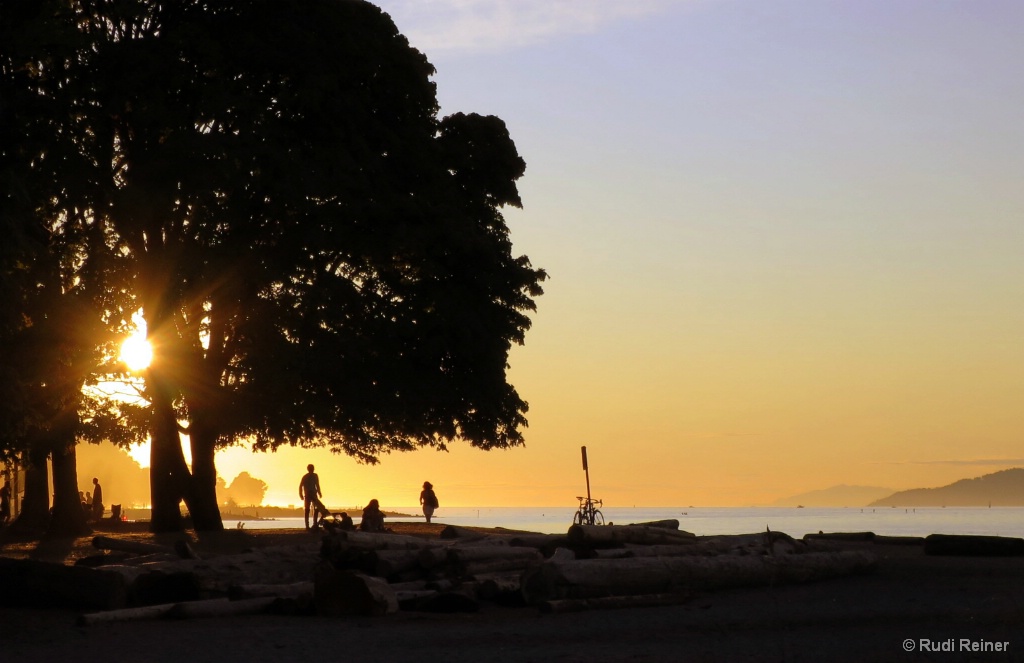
x,y
785,242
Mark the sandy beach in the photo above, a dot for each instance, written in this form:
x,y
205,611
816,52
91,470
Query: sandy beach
x,y
912,608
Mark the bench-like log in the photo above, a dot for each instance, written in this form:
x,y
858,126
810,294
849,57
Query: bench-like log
x,y
338,593
292,590
220,608
389,563
542,542
456,532
866,537
430,558
125,614
447,602
970,545
500,587
387,541
560,606
599,535
659,550
464,555
375,541
270,565
408,598
30,583
670,523
496,565
137,547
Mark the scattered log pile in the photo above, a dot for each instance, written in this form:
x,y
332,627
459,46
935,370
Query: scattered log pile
x,y
590,567
358,573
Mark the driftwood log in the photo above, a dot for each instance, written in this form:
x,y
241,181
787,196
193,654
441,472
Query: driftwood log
x,y
546,543
220,607
389,563
466,554
30,583
504,588
294,590
136,547
338,593
560,606
592,578
978,546
670,523
456,532
375,541
357,573
603,535
125,614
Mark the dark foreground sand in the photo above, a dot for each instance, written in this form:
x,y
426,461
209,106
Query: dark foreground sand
x,y
911,600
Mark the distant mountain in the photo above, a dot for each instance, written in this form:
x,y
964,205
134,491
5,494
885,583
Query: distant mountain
x,y
1005,488
842,495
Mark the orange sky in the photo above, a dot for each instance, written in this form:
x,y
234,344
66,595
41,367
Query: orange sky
x,y
784,240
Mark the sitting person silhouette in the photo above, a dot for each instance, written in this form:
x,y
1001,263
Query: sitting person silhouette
x,y
345,522
373,518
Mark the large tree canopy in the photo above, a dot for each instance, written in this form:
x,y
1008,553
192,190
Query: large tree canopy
x,y
319,258
56,293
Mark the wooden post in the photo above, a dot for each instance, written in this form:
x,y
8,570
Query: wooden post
x,y
586,471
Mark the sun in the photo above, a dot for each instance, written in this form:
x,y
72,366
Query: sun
x,y
136,352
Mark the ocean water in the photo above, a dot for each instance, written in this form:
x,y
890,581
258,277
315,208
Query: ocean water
x,y
704,521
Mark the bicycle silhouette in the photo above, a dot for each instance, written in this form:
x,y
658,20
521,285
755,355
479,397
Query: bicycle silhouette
x,y
588,513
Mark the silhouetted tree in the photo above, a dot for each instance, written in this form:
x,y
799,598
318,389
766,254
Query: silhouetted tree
x,y
319,258
244,489
53,304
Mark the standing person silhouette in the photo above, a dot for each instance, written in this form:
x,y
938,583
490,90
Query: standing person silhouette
x,y
428,499
97,500
5,503
309,492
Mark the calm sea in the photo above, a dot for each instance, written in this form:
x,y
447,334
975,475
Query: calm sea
x,y
997,521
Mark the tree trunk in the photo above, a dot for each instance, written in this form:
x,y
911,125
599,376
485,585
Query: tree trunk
x,y
35,509
168,474
68,517
202,494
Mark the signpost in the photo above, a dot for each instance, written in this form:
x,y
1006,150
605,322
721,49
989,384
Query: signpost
x,y
586,470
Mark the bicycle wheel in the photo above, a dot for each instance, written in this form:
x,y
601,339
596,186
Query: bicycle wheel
x,y
598,517
579,518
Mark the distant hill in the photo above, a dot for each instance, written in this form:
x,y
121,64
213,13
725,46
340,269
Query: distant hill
x,y
1005,488
842,495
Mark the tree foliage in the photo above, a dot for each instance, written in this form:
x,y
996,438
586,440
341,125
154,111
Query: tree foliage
x,y
58,292
319,258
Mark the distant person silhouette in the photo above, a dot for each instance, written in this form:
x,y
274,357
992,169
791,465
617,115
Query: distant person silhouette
x,y
428,499
97,499
5,503
373,518
309,492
